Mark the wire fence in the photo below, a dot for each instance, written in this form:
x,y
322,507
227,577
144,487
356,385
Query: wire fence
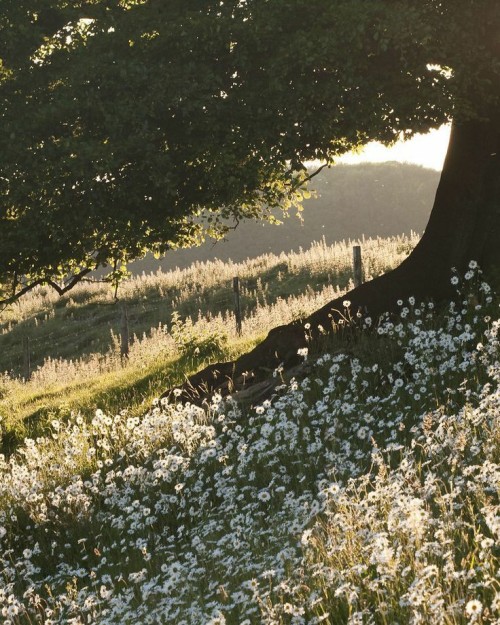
x,y
257,296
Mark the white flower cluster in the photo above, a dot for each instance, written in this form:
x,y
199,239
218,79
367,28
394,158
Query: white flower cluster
x,y
367,493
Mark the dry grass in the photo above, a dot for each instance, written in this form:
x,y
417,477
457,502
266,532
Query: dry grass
x,y
76,338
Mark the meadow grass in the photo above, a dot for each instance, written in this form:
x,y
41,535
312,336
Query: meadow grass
x,y
179,321
364,493
83,322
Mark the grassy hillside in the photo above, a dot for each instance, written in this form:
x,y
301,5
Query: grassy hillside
x,y
366,493
74,340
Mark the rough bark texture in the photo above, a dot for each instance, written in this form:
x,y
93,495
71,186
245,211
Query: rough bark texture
x,y
464,225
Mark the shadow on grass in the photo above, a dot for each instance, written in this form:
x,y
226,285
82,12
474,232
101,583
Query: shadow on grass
x,y
76,328
132,390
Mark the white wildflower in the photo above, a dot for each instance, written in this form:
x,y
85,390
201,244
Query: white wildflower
x,y
474,608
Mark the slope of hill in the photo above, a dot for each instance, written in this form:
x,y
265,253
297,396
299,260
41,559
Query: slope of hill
x,y
371,199
366,493
177,321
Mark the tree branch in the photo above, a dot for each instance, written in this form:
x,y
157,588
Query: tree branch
x,y
71,283
310,176
16,295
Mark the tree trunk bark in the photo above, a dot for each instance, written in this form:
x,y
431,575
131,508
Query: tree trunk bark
x,y
464,225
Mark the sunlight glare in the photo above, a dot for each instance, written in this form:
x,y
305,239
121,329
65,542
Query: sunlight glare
x,y
428,150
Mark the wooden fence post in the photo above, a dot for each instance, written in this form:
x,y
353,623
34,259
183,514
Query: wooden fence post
x,y
124,333
357,265
237,305
26,358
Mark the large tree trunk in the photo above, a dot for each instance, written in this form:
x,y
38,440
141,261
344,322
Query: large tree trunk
x,y
464,225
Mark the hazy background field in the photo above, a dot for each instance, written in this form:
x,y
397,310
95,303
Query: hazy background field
x,y
371,199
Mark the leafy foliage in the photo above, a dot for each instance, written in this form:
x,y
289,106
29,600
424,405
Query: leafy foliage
x,y
193,345
137,125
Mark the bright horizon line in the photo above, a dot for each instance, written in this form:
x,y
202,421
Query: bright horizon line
x,y
427,150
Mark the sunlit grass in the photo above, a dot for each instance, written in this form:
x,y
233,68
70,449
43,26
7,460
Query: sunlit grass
x,y
29,408
364,493
83,322
76,338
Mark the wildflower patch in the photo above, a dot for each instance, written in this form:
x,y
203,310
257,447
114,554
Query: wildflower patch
x,y
365,493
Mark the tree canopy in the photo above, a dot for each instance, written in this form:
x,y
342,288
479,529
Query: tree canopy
x,y
135,125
